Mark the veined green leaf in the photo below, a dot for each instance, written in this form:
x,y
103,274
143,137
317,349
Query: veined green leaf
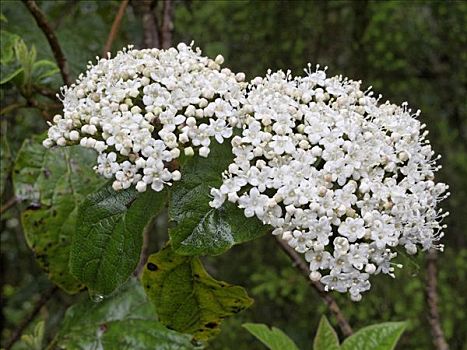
x,y
273,338
107,244
383,336
127,320
199,229
326,337
187,299
8,41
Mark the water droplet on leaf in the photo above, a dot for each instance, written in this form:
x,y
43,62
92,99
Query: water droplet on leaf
x,y
96,297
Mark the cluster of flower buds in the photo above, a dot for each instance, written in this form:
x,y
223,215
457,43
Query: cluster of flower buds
x,y
142,108
343,178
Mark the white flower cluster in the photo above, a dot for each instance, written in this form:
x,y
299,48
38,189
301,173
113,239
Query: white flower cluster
x,y
343,178
141,108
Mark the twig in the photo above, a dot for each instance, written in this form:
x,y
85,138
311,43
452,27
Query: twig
x,y
149,22
45,297
10,108
327,298
166,26
44,25
432,300
115,27
144,251
43,108
46,92
9,203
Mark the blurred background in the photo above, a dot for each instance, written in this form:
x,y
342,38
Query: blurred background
x,y
413,51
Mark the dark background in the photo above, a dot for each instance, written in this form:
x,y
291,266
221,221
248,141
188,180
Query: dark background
x,y
413,51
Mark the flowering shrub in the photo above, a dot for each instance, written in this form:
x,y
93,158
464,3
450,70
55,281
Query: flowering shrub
x,y
339,175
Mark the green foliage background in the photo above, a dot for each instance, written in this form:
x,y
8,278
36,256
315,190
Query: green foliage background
x,y
413,51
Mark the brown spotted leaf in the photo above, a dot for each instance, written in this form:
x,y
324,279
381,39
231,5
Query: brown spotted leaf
x,y
52,183
187,299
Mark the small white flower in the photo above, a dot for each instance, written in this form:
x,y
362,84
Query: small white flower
x,y
319,260
254,203
353,229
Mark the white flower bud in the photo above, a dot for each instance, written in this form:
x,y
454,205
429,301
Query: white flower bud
x,y
189,152
315,276
61,141
204,152
47,143
304,144
135,110
117,186
219,59
175,153
140,186
176,175
203,103
145,81
100,146
370,268
240,77
403,156
287,236
191,122
190,111
199,113
74,135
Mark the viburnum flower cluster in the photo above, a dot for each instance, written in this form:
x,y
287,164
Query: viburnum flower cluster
x,y
342,177
140,109
339,175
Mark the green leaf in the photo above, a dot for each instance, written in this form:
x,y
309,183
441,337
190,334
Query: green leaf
x,y
273,337
199,229
24,61
9,73
127,320
142,334
383,336
7,44
109,236
326,338
10,68
34,341
43,69
187,299
53,183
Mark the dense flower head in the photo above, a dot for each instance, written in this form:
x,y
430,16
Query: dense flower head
x,y
142,108
339,175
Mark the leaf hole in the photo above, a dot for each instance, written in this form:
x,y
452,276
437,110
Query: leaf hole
x,y
152,267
